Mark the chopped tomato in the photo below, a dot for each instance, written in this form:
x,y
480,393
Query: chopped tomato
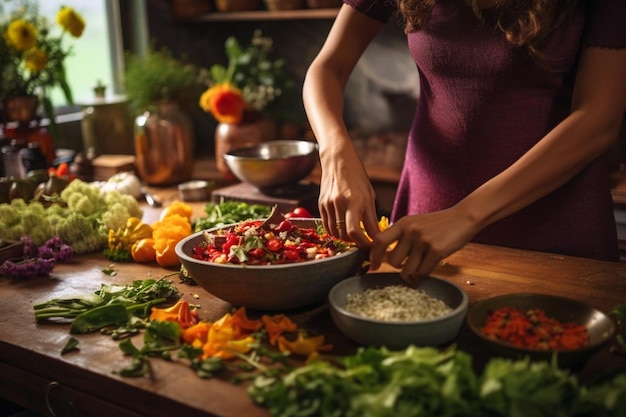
x,y
274,245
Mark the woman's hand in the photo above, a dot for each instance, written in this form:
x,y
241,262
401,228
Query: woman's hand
x,y
421,241
347,198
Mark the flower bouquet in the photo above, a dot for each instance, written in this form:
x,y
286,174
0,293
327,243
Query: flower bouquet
x,y
246,96
32,53
252,84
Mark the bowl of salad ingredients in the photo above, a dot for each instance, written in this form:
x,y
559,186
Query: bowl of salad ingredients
x,y
269,264
541,327
383,310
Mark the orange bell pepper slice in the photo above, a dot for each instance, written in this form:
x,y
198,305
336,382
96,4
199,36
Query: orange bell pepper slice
x,y
303,346
198,333
277,324
179,312
241,320
223,338
143,251
166,252
177,207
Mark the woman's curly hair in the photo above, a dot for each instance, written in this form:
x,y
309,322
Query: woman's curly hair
x,y
524,22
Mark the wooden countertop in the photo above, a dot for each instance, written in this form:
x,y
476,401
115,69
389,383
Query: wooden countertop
x,y
33,373
32,368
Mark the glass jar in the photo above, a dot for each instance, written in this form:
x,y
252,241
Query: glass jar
x,y
164,140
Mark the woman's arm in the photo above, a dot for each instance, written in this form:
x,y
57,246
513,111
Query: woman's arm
x,y
346,193
598,108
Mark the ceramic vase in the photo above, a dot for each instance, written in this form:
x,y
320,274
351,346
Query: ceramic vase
x,y
229,136
164,140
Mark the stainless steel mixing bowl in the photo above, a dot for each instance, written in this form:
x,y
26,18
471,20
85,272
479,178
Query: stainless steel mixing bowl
x,y
273,164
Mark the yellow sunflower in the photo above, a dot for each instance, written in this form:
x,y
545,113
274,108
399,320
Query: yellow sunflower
x,y
35,59
71,21
21,35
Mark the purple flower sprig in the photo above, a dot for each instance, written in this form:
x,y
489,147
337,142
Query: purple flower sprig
x,y
27,268
52,248
37,261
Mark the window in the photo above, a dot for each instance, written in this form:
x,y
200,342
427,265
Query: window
x,y
95,54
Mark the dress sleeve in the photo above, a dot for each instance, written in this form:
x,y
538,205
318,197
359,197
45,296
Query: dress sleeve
x,y
605,24
377,9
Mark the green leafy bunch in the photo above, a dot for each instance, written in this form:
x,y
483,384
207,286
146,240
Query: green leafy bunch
x,y
425,382
263,79
157,76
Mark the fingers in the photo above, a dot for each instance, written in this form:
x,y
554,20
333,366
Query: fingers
x,y
380,245
412,256
345,224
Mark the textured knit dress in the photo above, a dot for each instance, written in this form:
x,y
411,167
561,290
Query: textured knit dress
x,y
485,102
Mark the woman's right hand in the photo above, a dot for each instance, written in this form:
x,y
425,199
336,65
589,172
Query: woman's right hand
x,y
347,199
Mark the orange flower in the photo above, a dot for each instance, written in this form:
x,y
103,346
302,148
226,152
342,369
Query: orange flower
x,y
224,101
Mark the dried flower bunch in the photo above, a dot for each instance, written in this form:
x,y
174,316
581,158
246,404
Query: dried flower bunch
x,y
252,81
32,52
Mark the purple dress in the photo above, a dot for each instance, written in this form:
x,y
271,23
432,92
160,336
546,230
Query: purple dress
x,y
483,103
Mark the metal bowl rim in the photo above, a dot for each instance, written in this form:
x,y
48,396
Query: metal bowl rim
x,y
233,155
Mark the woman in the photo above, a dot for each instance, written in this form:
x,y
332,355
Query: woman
x,y
519,103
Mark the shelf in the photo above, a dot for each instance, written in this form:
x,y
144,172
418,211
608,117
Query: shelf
x,y
268,15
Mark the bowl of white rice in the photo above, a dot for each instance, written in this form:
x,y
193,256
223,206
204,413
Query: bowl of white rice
x,y
381,309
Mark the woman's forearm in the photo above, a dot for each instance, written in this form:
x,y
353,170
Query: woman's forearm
x,y
558,157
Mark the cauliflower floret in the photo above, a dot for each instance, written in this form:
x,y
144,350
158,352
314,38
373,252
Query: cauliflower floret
x,y
129,202
115,217
82,197
81,233
81,204
33,226
9,215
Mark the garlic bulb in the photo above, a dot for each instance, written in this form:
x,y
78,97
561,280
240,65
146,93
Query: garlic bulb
x,y
125,183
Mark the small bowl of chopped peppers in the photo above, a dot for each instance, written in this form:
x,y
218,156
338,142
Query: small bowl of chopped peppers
x,y
281,265
541,327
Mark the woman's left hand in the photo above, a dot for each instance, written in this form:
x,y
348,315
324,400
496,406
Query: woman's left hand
x,y
421,241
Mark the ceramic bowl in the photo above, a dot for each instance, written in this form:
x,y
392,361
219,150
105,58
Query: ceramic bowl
x,y
270,287
600,327
273,164
398,334
195,190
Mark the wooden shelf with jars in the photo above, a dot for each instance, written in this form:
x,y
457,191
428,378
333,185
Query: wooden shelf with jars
x,y
302,14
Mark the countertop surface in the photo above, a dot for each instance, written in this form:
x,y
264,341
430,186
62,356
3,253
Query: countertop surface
x,y
34,374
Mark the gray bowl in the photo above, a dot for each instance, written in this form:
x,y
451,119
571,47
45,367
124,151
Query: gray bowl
x,y
600,327
273,164
270,287
394,334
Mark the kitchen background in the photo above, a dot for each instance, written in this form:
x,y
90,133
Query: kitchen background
x,y
381,95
